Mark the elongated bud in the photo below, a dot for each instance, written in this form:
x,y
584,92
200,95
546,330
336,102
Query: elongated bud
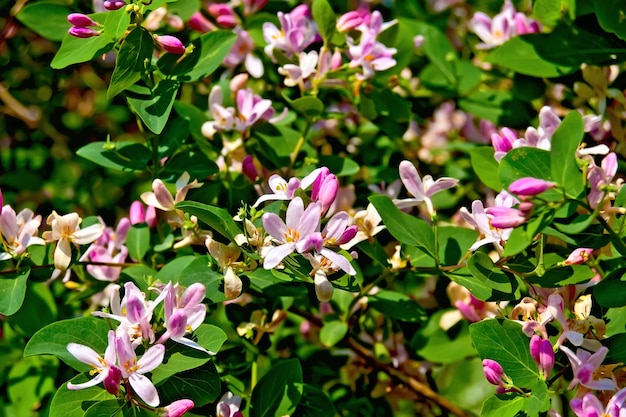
x,y
80,20
543,354
137,213
177,408
113,379
323,287
529,186
505,217
113,4
80,32
248,168
170,44
493,372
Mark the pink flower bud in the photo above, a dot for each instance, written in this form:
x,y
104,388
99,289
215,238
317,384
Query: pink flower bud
x,y
137,213
170,44
351,20
200,23
529,186
151,216
113,379
347,235
505,217
177,408
80,20
493,372
81,32
542,353
113,4
248,168
223,14
578,256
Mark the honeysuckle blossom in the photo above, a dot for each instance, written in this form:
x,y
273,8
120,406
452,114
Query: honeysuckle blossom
x,y
421,189
467,306
18,231
300,231
133,370
324,187
502,27
370,55
140,214
242,51
297,32
66,231
108,248
184,312
578,256
161,198
105,368
600,177
481,221
224,14
170,44
133,312
299,74
494,373
229,405
226,257
590,405
584,365
281,189
82,26
506,217
368,224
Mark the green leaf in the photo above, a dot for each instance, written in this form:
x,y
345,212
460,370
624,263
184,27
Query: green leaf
x,y
325,19
610,293
307,106
505,405
29,381
195,163
115,22
38,310
217,218
76,50
339,165
332,332
440,346
437,48
12,291
210,337
74,403
179,359
454,243
208,54
505,343
138,241
610,14
154,107
54,338
278,392
525,162
198,271
565,141
615,343
201,385
520,55
548,12
407,229
45,18
125,156
113,408
315,403
486,167
483,269
397,306
131,61
498,106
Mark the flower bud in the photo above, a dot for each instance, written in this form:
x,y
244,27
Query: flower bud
x,y
200,23
223,14
248,168
505,217
113,379
493,372
137,213
113,4
177,408
80,20
151,216
542,353
170,44
529,186
80,32
578,256
323,287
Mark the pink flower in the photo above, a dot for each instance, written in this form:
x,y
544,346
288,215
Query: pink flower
x,y
494,373
133,370
223,14
299,233
506,217
229,405
590,406
103,368
421,189
82,32
600,177
584,365
296,34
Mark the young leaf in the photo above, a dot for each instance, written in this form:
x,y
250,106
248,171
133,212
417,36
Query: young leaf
x,y
125,156
332,332
565,141
131,61
407,229
76,50
482,268
486,167
217,218
12,291
138,241
325,19
154,109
